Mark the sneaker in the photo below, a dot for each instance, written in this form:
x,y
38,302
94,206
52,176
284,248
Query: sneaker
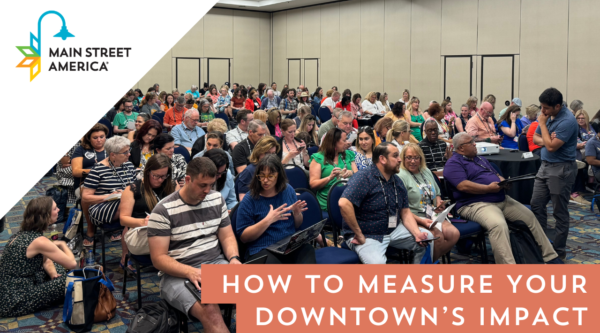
x,y
575,197
557,261
580,165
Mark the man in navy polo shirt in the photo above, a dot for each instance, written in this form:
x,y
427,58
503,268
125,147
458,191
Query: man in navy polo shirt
x,y
557,134
474,183
374,206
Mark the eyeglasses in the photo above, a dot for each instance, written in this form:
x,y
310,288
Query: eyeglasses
x,y
271,176
125,153
156,177
413,158
195,119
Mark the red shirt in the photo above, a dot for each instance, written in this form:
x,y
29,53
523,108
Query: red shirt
x,y
530,133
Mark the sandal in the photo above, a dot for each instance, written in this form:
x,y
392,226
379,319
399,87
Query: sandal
x,y
129,267
88,239
115,237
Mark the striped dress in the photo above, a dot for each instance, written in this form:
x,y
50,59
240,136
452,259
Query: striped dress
x,y
105,181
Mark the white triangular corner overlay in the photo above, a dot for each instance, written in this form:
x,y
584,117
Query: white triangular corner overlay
x,y
45,117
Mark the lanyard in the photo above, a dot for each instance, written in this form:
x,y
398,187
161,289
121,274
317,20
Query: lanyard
x,y
250,148
288,148
117,174
186,133
385,195
426,189
486,168
486,125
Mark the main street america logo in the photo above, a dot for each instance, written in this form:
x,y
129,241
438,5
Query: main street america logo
x,y
32,52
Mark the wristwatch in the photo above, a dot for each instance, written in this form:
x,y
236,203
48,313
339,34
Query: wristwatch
x,y
235,257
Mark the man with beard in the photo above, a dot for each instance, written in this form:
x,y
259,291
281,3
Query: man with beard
x,y
375,211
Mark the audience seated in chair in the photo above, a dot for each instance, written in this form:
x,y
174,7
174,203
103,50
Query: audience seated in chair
x,y
264,147
374,219
240,133
256,130
89,153
174,116
481,126
139,121
329,124
288,106
344,123
425,198
270,100
214,140
511,127
436,150
186,133
331,162
479,198
203,213
141,147
121,121
292,151
149,105
216,125
110,176
271,212
139,199
225,184
32,269
309,126
364,148
381,128
165,144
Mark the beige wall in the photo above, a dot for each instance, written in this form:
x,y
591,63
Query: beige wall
x,y
242,36
392,45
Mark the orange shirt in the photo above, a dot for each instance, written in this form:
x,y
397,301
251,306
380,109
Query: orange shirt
x,y
477,127
173,117
530,133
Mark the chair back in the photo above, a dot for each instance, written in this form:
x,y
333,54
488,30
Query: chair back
x,y
184,152
497,168
296,176
236,185
233,219
159,116
2,222
104,121
313,214
523,144
224,117
333,208
312,150
324,114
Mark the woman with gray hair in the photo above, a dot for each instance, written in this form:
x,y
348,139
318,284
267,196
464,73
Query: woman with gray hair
x,y
576,105
103,186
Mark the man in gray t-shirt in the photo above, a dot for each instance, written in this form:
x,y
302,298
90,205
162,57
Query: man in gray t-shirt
x,y
187,229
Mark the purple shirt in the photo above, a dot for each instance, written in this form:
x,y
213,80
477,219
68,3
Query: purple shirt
x,y
478,170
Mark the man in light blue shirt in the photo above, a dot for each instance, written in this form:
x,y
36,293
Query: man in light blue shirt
x,y
557,134
187,132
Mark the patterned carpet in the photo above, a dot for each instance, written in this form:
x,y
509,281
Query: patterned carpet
x,y
583,247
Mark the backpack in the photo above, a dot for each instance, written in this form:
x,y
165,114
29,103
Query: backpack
x,y
155,318
524,247
60,195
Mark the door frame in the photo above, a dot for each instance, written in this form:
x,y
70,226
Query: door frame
x,y
512,88
177,70
208,69
299,70
470,72
304,64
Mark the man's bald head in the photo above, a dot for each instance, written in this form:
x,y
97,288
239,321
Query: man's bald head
x,y
486,110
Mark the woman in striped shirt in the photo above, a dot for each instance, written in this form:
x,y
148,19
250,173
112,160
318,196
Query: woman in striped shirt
x,y
109,177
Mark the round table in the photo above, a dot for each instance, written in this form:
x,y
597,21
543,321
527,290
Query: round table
x,y
511,164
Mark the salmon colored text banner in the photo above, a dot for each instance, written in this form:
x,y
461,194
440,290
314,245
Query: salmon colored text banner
x,y
381,298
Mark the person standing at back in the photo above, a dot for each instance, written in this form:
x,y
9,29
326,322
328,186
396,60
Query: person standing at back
x,y
557,134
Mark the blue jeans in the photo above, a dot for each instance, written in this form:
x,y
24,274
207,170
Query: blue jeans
x,y
373,251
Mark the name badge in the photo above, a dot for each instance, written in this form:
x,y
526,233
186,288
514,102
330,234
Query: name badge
x,y
393,221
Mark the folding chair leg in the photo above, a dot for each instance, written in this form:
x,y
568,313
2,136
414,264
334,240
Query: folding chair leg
x,y
125,274
103,251
182,319
227,314
139,283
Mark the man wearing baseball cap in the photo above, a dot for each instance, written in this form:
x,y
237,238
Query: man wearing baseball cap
x,y
515,101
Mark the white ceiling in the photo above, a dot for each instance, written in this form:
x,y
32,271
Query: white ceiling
x,y
269,5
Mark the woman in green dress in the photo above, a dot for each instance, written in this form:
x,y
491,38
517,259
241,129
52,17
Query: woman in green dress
x,y
331,162
414,113
32,267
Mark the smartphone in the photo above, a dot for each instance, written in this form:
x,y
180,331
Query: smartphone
x,y
301,148
430,240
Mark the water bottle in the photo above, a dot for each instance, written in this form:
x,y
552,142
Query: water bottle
x,y
90,260
53,232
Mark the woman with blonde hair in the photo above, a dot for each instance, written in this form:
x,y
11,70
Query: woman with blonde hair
x,y
400,135
261,115
267,145
414,117
531,113
424,195
292,152
273,120
384,101
405,97
371,106
381,128
472,106
309,125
